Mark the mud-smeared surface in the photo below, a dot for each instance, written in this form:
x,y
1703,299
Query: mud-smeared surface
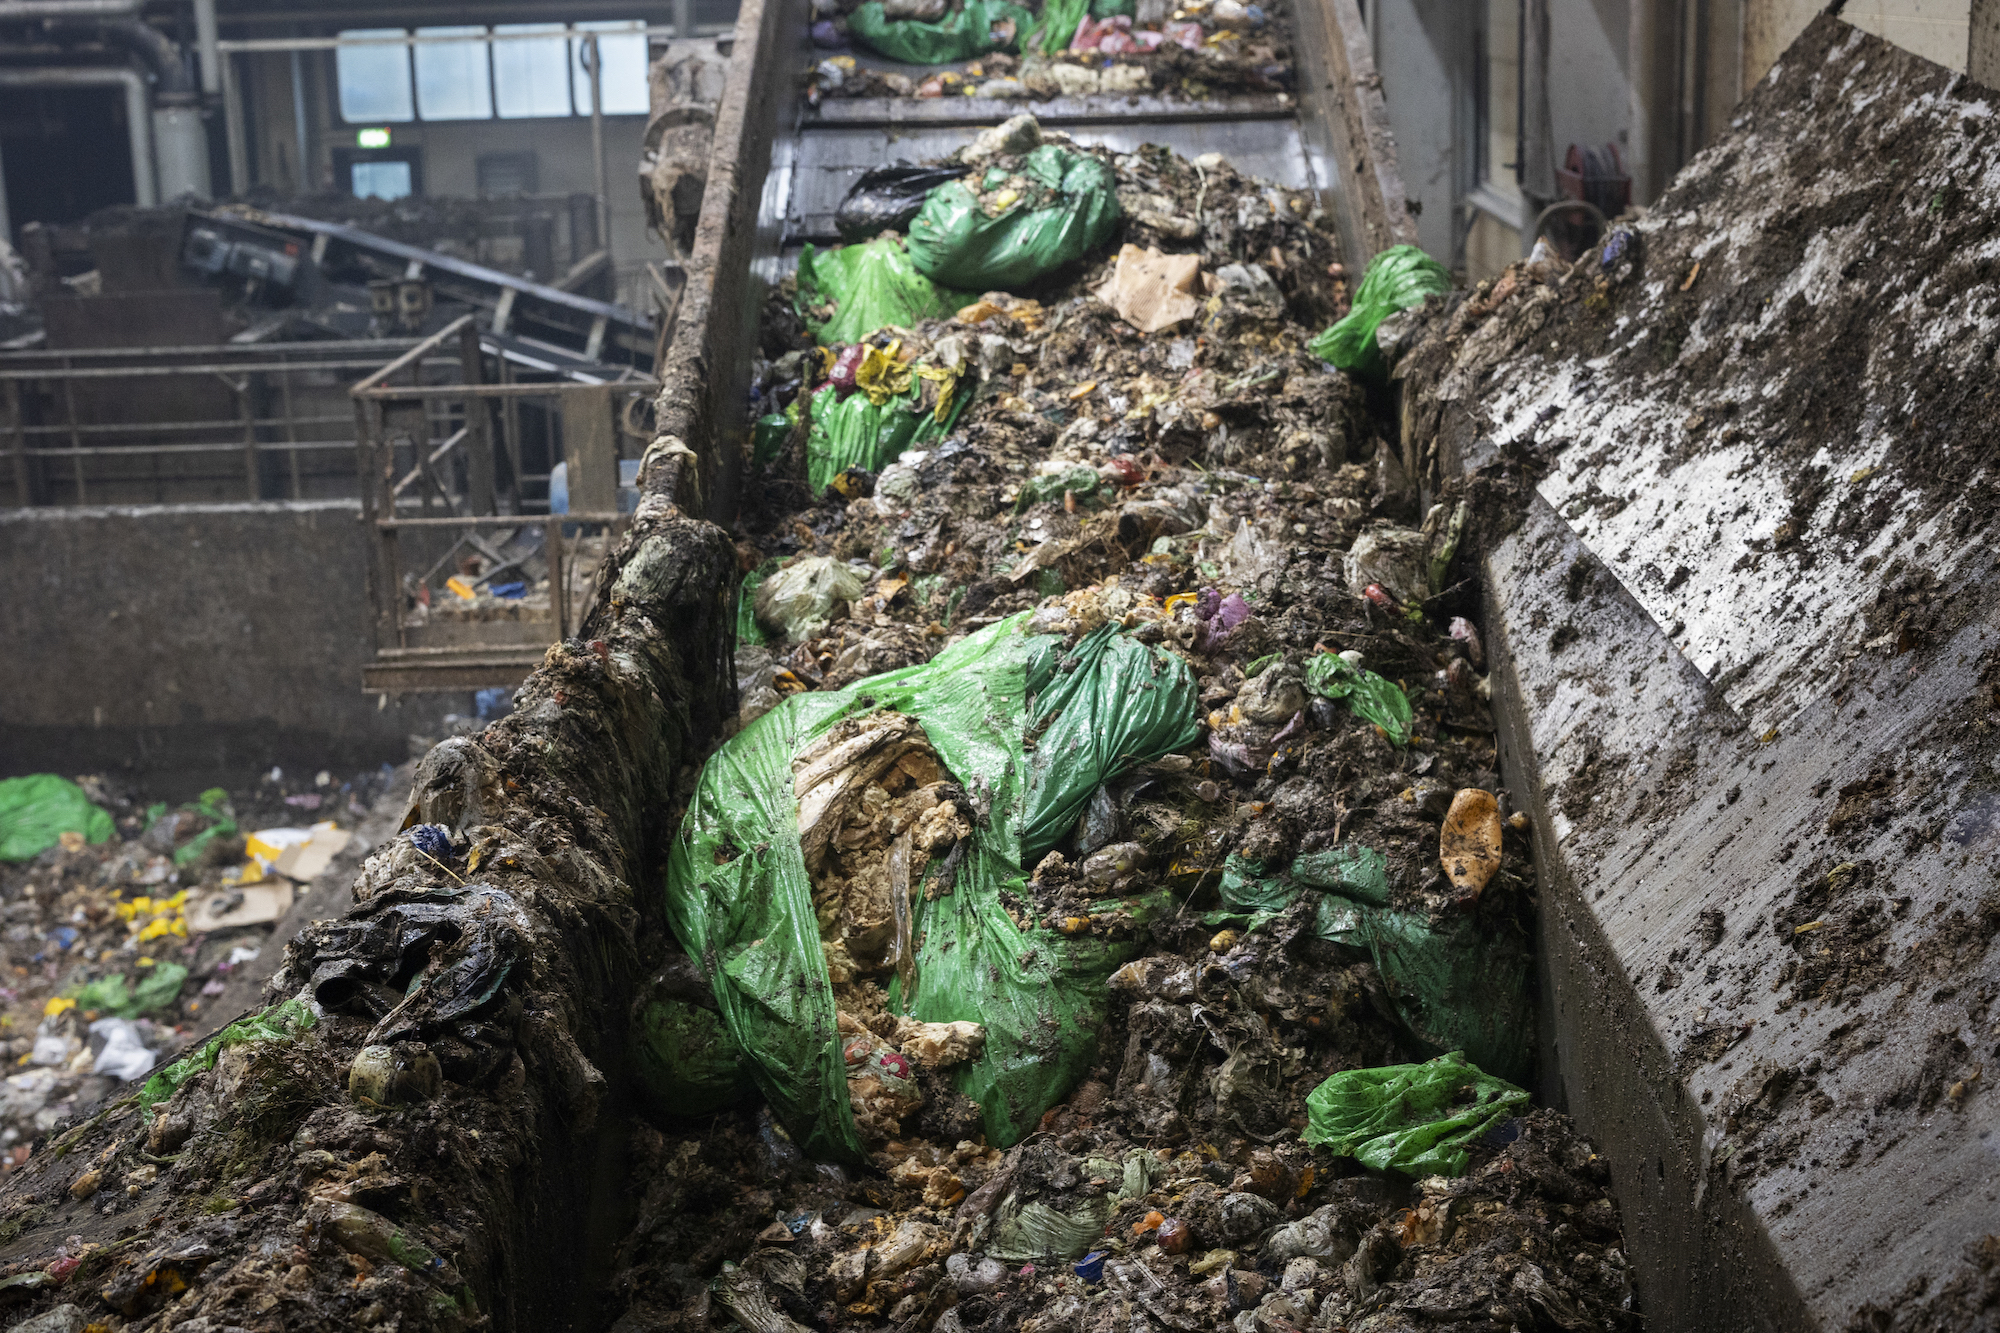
x,y
1761,684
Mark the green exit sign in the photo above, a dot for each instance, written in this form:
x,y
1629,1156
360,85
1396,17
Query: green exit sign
x,y
371,138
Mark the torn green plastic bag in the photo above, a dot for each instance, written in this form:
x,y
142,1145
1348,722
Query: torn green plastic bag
x,y
279,1023
976,27
739,899
1080,480
1057,25
1417,1119
1061,18
688,1062
1454,986
158,986
214,804
1026,1232
767,437
870,286
36,810
1398,278
954,243
749,634
1372,698
854,432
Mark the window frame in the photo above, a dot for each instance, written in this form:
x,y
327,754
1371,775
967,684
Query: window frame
x,y
572,35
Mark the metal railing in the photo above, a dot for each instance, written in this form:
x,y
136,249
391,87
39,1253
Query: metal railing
x,y
167,424
429,455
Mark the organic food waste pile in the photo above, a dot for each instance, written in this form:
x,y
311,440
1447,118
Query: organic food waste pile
x,y
1188,51
126,919
1106,914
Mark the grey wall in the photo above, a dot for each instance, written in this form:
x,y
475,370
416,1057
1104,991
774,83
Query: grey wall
x,y
1424,50
195,642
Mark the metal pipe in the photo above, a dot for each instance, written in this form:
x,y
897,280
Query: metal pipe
x,y
138,372
303,183
138,115
143,40
205,35
343,348
268,44
233,126
180,148
35,11
597,147
180,140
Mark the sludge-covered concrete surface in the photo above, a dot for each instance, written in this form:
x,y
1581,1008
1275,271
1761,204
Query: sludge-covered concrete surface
x,y
1750,623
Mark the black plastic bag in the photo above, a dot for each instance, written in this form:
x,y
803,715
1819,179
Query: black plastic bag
x,y
886,198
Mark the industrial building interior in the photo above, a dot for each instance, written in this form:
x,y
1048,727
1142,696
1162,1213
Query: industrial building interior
x,y
999,666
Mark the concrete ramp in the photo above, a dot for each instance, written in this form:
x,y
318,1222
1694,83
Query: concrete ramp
x,y
1747,626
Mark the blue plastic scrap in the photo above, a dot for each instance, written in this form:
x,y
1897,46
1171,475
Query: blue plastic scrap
x,y
432,840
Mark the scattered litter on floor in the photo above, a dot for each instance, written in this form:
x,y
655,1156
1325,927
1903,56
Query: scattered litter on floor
x,y
123,921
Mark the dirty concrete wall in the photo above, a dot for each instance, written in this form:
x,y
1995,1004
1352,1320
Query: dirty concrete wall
x,y
707,366
1937,30
1982,48
1748,632
192,642
1425,51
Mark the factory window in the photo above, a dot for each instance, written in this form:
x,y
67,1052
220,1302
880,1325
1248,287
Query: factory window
x,y
453,81
478,78
379,173
374,80
623,46
381,180
531,77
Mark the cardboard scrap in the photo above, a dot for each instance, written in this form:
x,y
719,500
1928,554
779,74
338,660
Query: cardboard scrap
x,y
244,905
1152,291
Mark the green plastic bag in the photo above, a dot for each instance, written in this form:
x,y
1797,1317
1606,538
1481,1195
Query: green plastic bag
x,y
278,1023
1058,24
767,438
1417,1119
688,1062
954,243
1398,278
749,634
1061,18
35,811
1455,985
1031,1232
1080,480
214,804
854,432
978,26
158,987
1030,731
871,286
1370,697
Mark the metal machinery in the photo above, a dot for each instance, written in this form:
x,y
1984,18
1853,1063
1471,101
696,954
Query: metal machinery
x,y
466,597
